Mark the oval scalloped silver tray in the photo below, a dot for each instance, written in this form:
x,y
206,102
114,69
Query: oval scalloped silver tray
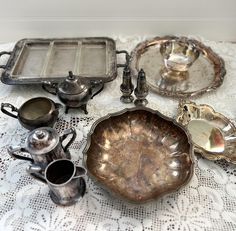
x,y
206,74
213,135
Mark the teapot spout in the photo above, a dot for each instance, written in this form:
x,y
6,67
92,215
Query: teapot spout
x,y
50,87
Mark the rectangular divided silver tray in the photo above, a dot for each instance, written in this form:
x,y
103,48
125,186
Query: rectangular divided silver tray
x,y
37,60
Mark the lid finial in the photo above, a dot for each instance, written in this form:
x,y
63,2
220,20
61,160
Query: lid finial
x,y
71,76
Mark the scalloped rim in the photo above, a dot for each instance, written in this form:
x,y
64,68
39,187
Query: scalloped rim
x,y
208,155
219,69
108,116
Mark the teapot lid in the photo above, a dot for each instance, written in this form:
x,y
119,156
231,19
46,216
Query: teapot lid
x,y
42,140
72,85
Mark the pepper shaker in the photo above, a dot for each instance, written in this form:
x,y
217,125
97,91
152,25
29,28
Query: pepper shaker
x,y
141,90
126,87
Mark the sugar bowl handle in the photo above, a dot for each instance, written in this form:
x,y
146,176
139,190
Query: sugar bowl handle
x,y
50,87
11,150
66,133
5,111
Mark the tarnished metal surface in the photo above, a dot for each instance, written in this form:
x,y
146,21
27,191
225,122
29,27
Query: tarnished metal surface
x,y
37,60
141,90
64,179
127,86
44,145
74,91
212,133
205,74
34,113
138,154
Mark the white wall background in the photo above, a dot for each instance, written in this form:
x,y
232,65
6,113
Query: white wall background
x,y
212,19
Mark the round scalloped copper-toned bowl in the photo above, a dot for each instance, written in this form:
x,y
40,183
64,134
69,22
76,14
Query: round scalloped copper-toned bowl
x,y
138,154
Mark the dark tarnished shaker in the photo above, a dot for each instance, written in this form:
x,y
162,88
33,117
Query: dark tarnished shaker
x,y
141,90
127,87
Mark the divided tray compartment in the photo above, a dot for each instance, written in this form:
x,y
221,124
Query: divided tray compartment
x,y
38,60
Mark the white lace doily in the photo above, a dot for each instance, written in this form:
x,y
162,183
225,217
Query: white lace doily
x,y
208,202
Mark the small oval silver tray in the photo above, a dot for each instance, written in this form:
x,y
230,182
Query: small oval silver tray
x,y
212,134
138,154
205,74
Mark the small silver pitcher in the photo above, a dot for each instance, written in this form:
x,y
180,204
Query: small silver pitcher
x,y
44,145
64,179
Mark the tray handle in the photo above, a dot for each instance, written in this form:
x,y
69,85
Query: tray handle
x,y
4,53
127,58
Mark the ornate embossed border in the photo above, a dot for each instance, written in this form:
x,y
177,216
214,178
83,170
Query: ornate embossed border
x,y
217,62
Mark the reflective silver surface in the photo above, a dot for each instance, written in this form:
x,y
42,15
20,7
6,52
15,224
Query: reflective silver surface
x,y
212,133
205,74
178,57
138,154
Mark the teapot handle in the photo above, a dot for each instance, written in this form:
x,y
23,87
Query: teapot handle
x,y
64,136
96,83
13,109
12,153
50,87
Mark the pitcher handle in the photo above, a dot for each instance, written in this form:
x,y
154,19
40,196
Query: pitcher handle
x,y
11,150
13,109
65,135
80,172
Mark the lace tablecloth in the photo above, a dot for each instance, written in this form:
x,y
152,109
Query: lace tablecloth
x,y
208,202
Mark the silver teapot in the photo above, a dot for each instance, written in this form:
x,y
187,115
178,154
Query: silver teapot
x,y
74,91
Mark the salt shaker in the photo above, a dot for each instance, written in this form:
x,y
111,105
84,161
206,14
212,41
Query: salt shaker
x,y
126,87
141,90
